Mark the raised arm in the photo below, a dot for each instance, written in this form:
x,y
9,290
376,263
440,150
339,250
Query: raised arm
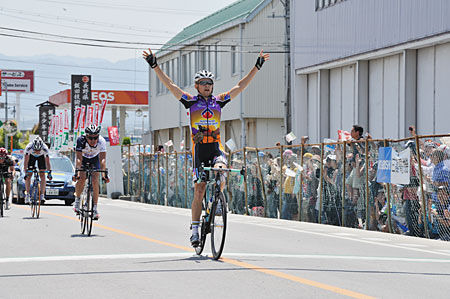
x,y
174,89
243,83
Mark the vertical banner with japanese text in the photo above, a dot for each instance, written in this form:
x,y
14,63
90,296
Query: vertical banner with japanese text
x,y
80,93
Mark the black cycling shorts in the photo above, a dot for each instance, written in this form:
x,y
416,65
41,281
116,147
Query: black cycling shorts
x,y
208,154
93,162
41,162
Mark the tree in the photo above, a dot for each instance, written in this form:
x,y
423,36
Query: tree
x,y
126,141
16,139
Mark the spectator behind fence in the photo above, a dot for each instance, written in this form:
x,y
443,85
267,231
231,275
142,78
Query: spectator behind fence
x,y
311,164
290,207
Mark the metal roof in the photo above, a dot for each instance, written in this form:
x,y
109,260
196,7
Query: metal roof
x,y
242,9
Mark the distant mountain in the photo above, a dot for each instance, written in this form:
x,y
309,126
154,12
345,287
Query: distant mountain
x,y
130,74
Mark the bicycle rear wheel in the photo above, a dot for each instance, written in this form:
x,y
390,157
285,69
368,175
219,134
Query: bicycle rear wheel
x,y
33,200
218,225
38,201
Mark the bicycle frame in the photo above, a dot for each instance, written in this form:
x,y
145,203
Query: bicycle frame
x,y
35,191
214,216
86,214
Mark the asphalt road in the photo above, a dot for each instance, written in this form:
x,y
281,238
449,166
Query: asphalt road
x,y
142,251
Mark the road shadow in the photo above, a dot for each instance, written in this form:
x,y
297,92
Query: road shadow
x,y
195,258
86,236
31,218
187,270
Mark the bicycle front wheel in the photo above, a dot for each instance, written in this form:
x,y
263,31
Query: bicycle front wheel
x,y
90,212
33,200
199,248
218,225
83,211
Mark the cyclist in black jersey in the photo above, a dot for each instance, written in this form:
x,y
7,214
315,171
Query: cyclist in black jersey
x,y
205,111
6,165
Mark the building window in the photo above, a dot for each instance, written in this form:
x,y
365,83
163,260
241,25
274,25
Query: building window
x,y
218,60
185,70
192,68
233,60
175,71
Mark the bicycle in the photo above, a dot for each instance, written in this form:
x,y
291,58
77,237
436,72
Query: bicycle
x,y
35,191
3,200
86,214
214,219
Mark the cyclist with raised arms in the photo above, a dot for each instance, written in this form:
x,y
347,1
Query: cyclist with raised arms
x,y
205,111
90,152
36,151
6,165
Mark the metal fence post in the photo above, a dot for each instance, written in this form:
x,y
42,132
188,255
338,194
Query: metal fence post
x,y
367,185
388,186
321,183
344,173
185,178
159,179
262,183
150,176
245,183
422,195
140,173
176,176
300,192
230,194
167,179
280,197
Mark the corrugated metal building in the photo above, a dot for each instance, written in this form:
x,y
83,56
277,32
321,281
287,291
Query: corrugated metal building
x,y
383,64
226,43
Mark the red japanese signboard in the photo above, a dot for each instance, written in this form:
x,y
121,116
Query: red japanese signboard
x,y
113,134
18,80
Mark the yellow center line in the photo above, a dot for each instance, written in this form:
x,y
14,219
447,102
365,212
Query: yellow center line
x,y
229,261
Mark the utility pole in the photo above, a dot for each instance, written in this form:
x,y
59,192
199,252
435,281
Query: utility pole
x,y
287,70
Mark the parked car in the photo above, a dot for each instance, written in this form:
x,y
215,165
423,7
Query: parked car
x,y
61,187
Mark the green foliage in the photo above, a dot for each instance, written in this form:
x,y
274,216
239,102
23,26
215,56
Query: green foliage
x,y
126,141
17,143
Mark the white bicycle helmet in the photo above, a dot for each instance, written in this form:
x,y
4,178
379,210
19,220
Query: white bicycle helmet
x,y
38,143
92,130
203,74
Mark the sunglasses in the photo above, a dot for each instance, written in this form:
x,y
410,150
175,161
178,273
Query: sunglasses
x,y
203,83
92,137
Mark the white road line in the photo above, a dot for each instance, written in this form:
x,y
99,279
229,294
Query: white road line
x,y
375,239
412,245
188,255
343,234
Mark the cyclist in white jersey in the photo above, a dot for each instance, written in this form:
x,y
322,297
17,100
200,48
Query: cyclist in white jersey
x,y
90,151
36,151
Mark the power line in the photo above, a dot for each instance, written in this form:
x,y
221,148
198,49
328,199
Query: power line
x,y
129,7
118,41
72,65
22,18
89,22
100,81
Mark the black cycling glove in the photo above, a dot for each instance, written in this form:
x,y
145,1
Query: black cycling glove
x,y
259,62
151,59
49,175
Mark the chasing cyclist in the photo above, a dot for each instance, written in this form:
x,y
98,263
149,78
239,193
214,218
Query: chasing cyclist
x,y
7,166
205,110
36,151
90,151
